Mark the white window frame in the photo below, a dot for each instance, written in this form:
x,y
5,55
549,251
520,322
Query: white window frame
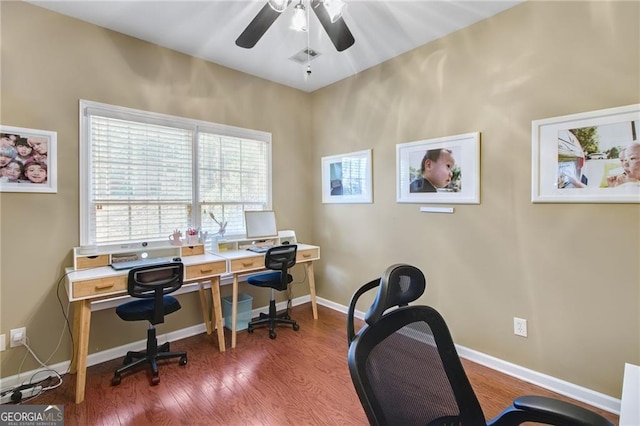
x,y
196,126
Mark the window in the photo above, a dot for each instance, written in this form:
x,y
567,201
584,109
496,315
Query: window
x,y
142,174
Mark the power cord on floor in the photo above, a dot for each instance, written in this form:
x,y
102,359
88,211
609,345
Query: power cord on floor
x,y
53,380
18,394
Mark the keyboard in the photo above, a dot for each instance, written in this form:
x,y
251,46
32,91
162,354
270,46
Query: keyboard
x,y
259,249
130,264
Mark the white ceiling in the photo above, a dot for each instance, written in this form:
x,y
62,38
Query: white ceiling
x,y
208,30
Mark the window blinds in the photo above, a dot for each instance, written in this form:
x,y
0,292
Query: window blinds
x,y
141,179
232,179
142,175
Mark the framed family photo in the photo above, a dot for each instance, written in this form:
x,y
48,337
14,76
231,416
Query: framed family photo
x,y
442,170
27,160
346,178
591,157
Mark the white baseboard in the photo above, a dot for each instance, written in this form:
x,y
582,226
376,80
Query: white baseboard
x,y
579,393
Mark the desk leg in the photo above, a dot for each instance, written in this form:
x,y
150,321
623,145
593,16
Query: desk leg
x,y
234,310
81,321
203,306
312,288
216,314
73,367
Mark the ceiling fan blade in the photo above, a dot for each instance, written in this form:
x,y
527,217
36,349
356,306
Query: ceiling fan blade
x,y
257,27
338,31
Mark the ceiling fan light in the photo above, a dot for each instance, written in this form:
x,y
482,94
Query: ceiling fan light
x,y
335,9
299,20
278,5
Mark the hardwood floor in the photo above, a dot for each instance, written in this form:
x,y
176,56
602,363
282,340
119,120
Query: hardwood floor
x,y
300,378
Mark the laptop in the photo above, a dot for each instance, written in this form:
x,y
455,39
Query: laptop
x,y
262,249
130,264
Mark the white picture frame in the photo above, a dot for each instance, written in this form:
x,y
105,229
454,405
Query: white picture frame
x,y
577,158
39,164
464,184
346,178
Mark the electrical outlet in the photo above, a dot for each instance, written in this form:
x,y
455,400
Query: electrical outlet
x,y
3,342
18,336
520,327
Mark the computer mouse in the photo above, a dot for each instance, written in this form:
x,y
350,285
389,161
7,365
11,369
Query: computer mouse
x,y
177,259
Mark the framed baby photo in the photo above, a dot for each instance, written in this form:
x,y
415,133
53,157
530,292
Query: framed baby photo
x,y
441,170
27,160
590,157
346,178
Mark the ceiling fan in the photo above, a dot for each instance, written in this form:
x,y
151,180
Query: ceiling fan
x,y
329,13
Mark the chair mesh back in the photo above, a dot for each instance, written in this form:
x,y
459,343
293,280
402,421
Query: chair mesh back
x,y
154,282
281,258
406,372
408,378
146,281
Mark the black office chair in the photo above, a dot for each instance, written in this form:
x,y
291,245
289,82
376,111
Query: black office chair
x,y
406,371
279,260
152,285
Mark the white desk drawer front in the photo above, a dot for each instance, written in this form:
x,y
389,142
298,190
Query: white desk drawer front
x,y
205,270
82,289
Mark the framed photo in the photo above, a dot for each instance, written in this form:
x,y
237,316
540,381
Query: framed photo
x,y
442,170
27,160
591,157
346,178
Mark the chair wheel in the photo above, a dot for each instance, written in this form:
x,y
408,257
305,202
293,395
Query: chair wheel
x,y
116,380
155,380
296,327
183,360
250,329
272,335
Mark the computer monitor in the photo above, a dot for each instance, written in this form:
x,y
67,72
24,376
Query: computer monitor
x,y
260,224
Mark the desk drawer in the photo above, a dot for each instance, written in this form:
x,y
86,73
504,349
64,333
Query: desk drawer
x,y
205,270
192,250
92,261
82,289
247,264
304,255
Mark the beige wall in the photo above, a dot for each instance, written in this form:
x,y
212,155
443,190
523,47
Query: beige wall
x,y
571,270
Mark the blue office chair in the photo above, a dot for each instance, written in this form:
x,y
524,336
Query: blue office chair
x,y
406,371
152,285
279,260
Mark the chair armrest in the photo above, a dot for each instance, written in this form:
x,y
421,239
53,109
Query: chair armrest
x,y
352,307
549,411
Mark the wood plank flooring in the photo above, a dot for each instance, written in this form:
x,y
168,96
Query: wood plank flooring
x,y
300,378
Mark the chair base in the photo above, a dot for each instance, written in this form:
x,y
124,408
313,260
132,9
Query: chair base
x,y
150,356
272,320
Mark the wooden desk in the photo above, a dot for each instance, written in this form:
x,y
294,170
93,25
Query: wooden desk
x,y
88,285
243,261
